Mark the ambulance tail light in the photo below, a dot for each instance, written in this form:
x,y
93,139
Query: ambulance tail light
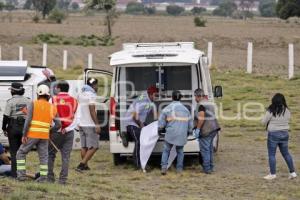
x,y
113,105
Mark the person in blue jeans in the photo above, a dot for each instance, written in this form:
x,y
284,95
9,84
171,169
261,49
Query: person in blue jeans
x,y
276,120
177,122
206,128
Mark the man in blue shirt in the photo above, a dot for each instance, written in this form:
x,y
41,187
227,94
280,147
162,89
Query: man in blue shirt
x,y
135,117
176,120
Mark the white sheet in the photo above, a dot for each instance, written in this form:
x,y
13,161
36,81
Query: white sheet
x,y
148,140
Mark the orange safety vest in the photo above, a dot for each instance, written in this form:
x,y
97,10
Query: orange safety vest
x,y
42,116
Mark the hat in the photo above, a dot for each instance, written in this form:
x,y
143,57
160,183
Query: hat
x,y
16,87
43,90
152,89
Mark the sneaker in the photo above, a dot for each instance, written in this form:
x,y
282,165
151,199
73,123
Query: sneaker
x,y
51,179
124,139
42,179
80,167
292,175
207,172
270,177
163,171
86,167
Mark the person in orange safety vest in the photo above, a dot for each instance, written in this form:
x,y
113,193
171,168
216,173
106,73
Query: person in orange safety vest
x,y
36,131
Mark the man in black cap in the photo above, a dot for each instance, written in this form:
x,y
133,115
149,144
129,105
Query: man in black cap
x,y
13,120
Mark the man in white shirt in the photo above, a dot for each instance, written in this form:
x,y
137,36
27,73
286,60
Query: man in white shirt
x,y
88,123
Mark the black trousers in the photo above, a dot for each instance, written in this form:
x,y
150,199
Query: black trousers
x,y
135,134
15,141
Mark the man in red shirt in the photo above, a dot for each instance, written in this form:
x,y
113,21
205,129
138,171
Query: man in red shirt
x,y
63,139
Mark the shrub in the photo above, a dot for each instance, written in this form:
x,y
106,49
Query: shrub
x,y
174,10
198,10
267,8
135,8
1,6
36,19
150,10
200,22
57,16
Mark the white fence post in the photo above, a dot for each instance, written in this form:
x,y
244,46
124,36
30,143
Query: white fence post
x,y
291,61
20,53
249,57
209,54
90,61
65,60
0,53
44,63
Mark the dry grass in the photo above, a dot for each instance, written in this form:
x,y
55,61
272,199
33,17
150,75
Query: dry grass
x,y
230,37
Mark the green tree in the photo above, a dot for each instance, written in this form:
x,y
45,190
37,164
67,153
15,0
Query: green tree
x,y
267,8
1,6
288,8
57,16
27,5
63,4
226,8
109,6
44,6
198,10
175,10
135,8
75,6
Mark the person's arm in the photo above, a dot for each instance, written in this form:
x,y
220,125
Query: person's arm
x,y
267,117
162,120
5,122
135,118
6,115
28,119
92,108
57,123
201,117
73,125
191,125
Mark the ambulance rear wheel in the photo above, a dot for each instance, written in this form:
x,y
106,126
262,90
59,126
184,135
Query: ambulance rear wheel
x,y
118,159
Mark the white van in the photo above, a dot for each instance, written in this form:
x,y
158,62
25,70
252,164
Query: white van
x,y
169,66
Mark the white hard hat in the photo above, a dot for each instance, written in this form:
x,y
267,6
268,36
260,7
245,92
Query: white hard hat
x,y
43,90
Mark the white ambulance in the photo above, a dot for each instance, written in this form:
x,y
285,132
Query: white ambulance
x,y
169,66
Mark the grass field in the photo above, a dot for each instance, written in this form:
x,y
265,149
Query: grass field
x,y
241,161
270,38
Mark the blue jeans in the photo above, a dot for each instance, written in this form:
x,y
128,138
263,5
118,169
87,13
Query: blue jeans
x,y
166,153
280,139
5,169
207,151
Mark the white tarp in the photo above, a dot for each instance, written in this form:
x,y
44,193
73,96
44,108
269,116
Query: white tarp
x,y
148,140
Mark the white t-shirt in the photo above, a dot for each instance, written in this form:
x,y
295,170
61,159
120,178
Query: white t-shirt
x,y
84,100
